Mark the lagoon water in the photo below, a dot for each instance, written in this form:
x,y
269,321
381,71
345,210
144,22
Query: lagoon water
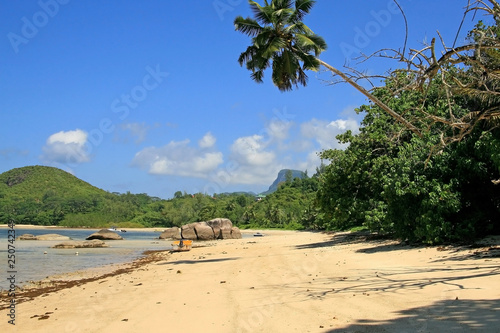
x,y
32,264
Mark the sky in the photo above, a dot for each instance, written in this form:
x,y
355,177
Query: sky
x,y
148,96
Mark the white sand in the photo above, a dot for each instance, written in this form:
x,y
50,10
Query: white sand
x,y
284,282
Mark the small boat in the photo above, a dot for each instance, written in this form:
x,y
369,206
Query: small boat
x,y
258,234
116,230
182,245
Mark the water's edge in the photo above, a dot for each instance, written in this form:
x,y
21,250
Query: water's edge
x,y
37,260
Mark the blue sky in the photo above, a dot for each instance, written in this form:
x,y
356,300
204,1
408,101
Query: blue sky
x,y
148,97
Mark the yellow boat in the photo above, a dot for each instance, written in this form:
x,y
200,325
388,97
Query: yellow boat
x,y
182,245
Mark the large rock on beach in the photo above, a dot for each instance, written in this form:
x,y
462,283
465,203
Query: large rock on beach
x,y
204,231
235,233
171,233
81,244
222,227
187,231
219,228
46,237
104,234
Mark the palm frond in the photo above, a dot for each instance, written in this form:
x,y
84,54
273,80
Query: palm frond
x,y
309,61
274,45
302,8
263,38
302,77
308,43
262,14
299,28
281,16
247,26
258,76
281,4
247,55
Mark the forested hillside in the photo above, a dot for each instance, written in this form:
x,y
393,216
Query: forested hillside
x,y
49,196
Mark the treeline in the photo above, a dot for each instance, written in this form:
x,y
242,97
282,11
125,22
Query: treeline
x,y
48,196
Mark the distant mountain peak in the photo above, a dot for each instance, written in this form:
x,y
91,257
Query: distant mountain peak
x,y
282,177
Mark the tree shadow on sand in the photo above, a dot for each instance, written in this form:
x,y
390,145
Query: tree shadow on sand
x,y
442,316
388,281
378,242
375,243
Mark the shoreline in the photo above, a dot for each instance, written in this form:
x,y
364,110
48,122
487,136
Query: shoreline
x,y
50,227
55,283
283,282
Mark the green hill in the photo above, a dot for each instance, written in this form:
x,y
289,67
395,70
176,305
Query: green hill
x,y
44,195
37,182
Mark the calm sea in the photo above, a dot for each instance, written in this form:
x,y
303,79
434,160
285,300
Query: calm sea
x,y
32,264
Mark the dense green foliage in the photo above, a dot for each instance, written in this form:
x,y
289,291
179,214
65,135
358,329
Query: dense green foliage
x,y
392,181
48,196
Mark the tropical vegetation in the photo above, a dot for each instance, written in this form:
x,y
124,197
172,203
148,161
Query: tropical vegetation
x,y
435,181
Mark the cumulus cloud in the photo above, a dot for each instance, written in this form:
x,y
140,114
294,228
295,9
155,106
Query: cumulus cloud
x,y
255,163
66,147
207,141
279,129
250,160
180,158
324,133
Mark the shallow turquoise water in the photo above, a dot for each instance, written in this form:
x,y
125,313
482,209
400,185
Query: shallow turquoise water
x,y
32,264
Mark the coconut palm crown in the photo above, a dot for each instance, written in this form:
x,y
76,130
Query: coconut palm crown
x,y
280,39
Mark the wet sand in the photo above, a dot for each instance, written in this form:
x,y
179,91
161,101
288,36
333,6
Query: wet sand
x,y
283,282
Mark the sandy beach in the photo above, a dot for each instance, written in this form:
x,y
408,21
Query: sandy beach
x,y
283,282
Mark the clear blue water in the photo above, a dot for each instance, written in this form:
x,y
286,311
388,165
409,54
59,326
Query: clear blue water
x,y
33,264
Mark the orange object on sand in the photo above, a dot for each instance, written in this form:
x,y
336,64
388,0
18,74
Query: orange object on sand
x,y
182,245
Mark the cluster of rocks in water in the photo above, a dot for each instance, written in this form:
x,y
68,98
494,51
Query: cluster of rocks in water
x,y
48,237
219,228
81,244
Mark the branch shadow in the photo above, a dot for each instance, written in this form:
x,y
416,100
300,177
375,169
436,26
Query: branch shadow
x,y
387,281
442,316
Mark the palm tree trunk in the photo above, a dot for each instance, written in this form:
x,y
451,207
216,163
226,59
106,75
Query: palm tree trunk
x,y
374,99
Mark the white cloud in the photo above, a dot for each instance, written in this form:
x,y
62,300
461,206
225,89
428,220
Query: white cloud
x,y
255,164
180,159
279,129
251,160
66,147
207,141
324,133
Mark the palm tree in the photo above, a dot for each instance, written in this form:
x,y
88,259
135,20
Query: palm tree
x,y
280,39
